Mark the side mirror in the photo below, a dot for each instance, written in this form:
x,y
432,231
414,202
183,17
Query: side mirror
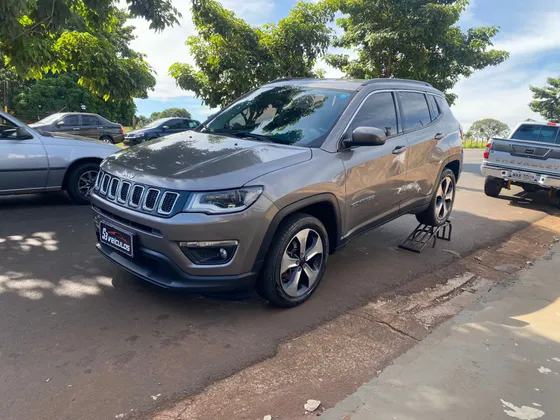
x,y
367,136
165,127
60,123
23,134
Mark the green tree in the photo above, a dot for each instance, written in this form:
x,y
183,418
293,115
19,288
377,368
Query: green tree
x,y
411,39
232,57
86,37
63,93
487,128
141,121
546,100
171,112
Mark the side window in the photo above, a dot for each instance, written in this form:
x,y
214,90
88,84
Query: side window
x,y
193,124
7,129
71,121
174,124
529,132
434,110
548,134
90,120
415,110
377,111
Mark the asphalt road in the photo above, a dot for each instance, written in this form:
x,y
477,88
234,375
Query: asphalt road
x,y
80,339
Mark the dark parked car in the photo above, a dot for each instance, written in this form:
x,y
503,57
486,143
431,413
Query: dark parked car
x,y
83,124
160,128
261,193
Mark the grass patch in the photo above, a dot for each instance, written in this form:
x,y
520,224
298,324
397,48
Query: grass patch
x,y
473,144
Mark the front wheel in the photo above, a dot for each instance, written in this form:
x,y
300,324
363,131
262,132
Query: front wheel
x,y
81,181
296,261
442,202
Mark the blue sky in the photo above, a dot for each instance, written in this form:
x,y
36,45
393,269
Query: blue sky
x,y
529,30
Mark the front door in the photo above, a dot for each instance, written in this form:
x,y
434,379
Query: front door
x,y
69,124
23,162
375,175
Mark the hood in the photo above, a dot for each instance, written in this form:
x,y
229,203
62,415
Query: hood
x,y
195,161
141,130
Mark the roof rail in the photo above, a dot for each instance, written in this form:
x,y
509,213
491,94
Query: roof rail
x,y
385,80
285,79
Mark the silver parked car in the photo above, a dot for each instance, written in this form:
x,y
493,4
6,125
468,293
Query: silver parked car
x,y
34,161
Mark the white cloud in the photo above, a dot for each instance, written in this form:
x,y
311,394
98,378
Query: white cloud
x,y
503,92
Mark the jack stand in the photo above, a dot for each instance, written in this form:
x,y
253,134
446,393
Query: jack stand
x,y
420,236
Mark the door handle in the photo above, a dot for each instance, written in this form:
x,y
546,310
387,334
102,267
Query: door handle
x,y
399,149
76,129
439,136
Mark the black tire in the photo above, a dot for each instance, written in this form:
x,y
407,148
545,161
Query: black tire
x,y
492,186
74,184
433,216
271,284
107,139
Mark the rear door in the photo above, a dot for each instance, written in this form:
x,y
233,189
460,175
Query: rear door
x,y
23,163
375,175
423,132
91,126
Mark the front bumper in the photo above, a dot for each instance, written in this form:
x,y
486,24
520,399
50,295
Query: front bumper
x,y
159,259
131,141
541,180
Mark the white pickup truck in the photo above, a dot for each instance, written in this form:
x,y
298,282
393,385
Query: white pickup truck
x,y
529,158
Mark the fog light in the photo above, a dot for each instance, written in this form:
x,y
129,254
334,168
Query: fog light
x,y
209,252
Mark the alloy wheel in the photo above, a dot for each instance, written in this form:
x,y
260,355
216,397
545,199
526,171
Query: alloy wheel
x,y
86,182
444,198
302,262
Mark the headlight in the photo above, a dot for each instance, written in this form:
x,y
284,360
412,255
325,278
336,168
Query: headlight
x,y
139,135
218,202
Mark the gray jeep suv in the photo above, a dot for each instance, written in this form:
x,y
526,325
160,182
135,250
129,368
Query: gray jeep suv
x,y
261,193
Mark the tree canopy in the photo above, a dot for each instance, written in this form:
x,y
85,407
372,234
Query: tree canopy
x,y
232,57
85,37
63,93
171,112
411,39
488,128
546,100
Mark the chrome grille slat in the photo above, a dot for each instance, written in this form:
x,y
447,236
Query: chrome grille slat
x,y
105,184
167,202
150,199
136,196
113,188
98,180
123,192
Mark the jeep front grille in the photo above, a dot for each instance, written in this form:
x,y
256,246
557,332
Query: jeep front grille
x,y
138,197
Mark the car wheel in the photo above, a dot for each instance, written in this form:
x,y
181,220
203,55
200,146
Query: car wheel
x,y
106,139
442,202
80,182
296,262
492,186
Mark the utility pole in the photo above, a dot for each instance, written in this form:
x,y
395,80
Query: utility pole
x,y
6,96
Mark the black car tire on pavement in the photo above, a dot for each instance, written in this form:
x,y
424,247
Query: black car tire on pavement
x,y
78,177
106,139
433,216
272,284
492,186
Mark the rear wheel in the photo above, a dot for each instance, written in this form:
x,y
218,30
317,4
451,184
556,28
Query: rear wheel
x,y
492,186
106,139
81,181
296,262
442,203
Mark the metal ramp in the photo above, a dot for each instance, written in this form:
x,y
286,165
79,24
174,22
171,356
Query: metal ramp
x,y
421,236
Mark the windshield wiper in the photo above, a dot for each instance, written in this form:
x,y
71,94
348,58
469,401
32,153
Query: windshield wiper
x,y
259,137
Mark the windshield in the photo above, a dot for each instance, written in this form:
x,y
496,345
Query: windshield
x,y
50,119
297,115
156,123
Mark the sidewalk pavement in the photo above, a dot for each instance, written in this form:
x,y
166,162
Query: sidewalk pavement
x,y
498,359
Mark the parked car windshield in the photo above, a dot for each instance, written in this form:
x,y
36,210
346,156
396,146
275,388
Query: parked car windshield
x,y
156,123
284,114
50,119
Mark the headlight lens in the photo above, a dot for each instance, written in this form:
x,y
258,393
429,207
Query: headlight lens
x,y
219,202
